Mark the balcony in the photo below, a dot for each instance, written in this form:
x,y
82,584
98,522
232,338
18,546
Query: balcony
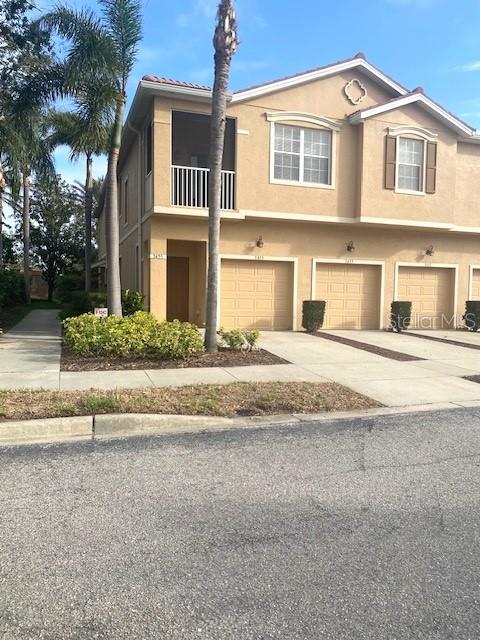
x,y
190,188
190,162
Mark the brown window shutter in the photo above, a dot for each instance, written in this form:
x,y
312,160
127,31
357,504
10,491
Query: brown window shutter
x,y
390,161
431,174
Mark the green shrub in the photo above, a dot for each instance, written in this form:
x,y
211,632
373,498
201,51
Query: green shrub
x,y
132,301
252,337
313,313
82,302
238,340
139,334
67,285
12,288
472,315
400,315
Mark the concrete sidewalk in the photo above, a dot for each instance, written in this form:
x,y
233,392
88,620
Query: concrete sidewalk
x,y
30,352
30,358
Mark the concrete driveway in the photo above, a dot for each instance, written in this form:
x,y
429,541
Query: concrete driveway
x,y
437,378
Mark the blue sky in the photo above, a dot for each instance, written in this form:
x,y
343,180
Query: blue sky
x,y
432,43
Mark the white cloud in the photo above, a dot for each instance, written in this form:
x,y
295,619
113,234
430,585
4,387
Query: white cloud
x,y
471,66
200,9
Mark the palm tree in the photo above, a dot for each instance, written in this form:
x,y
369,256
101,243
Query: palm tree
x,y
103,50
25,148
225,43
85,131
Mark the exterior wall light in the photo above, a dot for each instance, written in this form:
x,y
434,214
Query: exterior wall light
x,y
260,242
350,246
429,250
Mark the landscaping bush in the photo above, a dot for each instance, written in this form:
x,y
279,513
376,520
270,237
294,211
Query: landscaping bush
x,y
12,289
239,340
132,301
139,334
67,285
472,315
400,315
83,302
313,313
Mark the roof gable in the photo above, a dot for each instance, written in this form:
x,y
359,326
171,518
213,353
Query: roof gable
x,y
356,62
419,98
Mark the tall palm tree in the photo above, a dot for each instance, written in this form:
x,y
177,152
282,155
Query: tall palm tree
x,y
86,132
225,43
103,50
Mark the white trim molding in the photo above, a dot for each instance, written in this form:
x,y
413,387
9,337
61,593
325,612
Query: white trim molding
x,y
413,98
352,261
301,183
262,258
321,72
429,265
472,268
410,130
300,116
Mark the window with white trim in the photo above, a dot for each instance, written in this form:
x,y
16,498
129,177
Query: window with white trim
x,y
410,164
302,155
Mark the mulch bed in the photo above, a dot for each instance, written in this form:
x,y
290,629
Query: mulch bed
x,y
364,346
224,358
455,343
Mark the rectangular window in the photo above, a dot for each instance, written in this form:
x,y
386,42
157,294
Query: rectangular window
x,y
148,148
302,155
125,201
410,164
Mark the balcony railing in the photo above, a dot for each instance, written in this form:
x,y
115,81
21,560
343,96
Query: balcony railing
x,y
190,188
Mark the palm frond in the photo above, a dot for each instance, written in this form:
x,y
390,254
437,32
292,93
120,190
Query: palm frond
x,y
123,21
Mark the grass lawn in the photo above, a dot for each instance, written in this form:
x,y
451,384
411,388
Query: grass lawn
x,y
10,316
236,399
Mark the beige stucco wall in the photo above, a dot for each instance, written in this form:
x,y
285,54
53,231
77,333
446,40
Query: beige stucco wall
x,y
306,241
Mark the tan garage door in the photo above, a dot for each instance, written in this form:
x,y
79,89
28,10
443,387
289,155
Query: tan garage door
x,y
352,294
431,292
256,294
476,284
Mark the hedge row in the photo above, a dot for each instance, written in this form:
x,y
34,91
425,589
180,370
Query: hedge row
x,y
140,334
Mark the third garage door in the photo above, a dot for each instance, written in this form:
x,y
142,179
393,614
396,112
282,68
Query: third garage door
x,y
352,293
431,292
256,294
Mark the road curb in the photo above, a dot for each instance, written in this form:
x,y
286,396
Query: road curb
x,y
129,424
46,429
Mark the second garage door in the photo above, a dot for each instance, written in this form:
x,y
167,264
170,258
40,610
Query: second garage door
x,y
431,292
256,294
476,284
352,293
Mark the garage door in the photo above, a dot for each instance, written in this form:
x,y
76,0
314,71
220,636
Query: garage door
x,y
431,291
256,294
476,284
352,293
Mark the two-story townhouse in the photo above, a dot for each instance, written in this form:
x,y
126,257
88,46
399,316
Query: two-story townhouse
x,y
338,184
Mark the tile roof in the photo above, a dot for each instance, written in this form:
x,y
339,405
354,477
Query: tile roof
x,y
176,83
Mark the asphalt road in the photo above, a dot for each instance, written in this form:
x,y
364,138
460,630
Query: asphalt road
x,y
359,529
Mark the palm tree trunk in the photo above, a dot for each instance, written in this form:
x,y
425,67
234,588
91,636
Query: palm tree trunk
x,y
88,223
112,234
2,189
26,231
1,229
225,43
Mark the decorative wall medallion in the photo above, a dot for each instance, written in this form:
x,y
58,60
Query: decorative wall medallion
x,y
355,91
